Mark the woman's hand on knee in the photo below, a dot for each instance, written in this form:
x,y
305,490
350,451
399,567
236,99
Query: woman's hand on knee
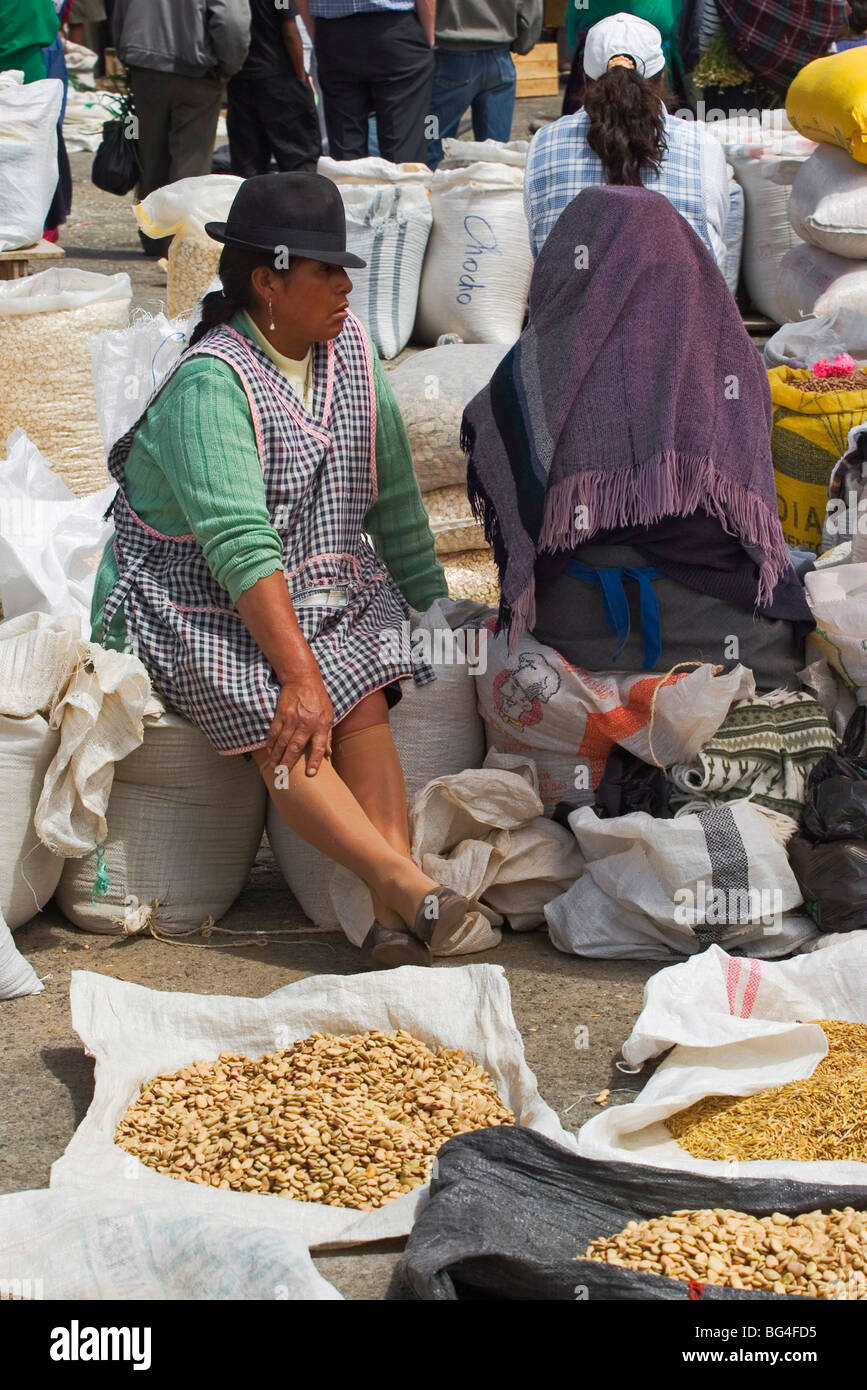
x,y
304,715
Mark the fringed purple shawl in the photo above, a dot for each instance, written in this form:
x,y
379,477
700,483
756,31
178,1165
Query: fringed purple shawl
x,y
634,393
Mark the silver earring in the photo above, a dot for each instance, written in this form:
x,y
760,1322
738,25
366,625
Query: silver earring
x,y
272,324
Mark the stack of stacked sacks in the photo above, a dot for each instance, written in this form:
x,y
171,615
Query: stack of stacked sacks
x,y
432,388
827,102
764,155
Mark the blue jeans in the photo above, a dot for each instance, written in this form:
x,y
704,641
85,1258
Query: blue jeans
x,y
483,79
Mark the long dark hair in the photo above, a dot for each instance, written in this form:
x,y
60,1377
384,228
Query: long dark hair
x,y
627,124
235,269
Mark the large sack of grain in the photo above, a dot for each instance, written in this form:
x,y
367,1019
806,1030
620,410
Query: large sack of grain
x,y
452,522
472,574
128,366
28,156
734,236
828,204
478,264
388,223
457,154
813,281
437,730
180,210
809,434
766,179
827,101
29,873
432,389
184,825
46,384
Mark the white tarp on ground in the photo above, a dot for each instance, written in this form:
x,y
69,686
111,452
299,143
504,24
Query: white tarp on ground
x,y
135,1033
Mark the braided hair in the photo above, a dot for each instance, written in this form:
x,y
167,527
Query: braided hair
x,y
627,123
235,270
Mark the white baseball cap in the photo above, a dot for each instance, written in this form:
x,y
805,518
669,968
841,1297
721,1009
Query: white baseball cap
x,y
623,35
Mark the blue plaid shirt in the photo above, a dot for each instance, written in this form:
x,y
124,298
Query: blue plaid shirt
x,y
692,177
340,9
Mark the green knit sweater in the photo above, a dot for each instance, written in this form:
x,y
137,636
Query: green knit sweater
x,y
194,469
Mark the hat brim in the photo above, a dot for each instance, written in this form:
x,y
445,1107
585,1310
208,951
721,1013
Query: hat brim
x,y
217,232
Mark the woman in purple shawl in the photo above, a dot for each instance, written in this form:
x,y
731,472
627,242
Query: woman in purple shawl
x,y
620,456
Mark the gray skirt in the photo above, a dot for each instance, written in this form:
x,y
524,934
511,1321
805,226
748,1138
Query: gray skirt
x,y
570,617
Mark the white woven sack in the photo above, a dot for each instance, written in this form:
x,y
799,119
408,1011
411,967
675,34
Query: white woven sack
x,y
387,225
28,156
478,264
734,237
17,976
815,282
135,1033
373,170
117,1244
828,204
766,180
737,1027
437,730
458,153
184,826
29,873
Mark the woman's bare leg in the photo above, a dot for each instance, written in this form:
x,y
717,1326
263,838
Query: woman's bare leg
x,y
325,813
366,759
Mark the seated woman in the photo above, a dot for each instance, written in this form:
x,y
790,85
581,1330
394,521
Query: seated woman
x,y
624,136
626,437
241,574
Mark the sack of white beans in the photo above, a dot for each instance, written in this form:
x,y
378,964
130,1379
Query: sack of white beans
x,y
477,269
432,388
180,210
811,281
473,574
452,522
46,383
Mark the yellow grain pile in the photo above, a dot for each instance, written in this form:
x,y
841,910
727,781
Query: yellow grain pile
x,y
823,1117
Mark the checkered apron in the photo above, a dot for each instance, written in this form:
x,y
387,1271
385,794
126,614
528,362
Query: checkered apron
x,y
319,472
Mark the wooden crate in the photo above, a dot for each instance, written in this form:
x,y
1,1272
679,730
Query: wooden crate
x,y
537,71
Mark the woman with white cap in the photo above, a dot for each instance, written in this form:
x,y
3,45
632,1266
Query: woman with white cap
x,y
623,135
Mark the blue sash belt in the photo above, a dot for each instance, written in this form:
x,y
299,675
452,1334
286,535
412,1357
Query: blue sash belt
x,y
610,581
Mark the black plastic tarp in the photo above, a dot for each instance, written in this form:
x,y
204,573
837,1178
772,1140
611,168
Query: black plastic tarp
x,y
509,1209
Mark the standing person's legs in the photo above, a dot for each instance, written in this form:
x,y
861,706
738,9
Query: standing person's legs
x,y
287,114
248,144
342,62
455,86
402,83
494,105
151,94
195,109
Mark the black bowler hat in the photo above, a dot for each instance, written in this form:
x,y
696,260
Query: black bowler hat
x,y
301,213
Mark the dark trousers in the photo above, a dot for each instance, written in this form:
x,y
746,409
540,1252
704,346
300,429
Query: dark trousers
x,y
381,63
272,116
177,119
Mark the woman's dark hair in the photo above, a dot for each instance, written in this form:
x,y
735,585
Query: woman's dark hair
x,y
627,123
858,16
235,269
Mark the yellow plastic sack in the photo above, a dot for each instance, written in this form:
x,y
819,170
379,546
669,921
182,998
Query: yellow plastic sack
x,y
180,210
809,434
828,101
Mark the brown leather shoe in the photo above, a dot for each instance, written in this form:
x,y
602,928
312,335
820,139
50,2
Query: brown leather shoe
x,y
437,928
383,949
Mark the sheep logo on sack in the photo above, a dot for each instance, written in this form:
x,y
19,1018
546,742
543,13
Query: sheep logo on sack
x,y
522,690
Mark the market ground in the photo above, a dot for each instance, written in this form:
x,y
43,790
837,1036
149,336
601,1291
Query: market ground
x,y
48,1082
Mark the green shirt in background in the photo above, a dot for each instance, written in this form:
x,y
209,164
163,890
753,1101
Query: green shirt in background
x,y
194,469
26,24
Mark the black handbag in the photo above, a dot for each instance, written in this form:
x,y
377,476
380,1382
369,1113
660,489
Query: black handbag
x,y
116,165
